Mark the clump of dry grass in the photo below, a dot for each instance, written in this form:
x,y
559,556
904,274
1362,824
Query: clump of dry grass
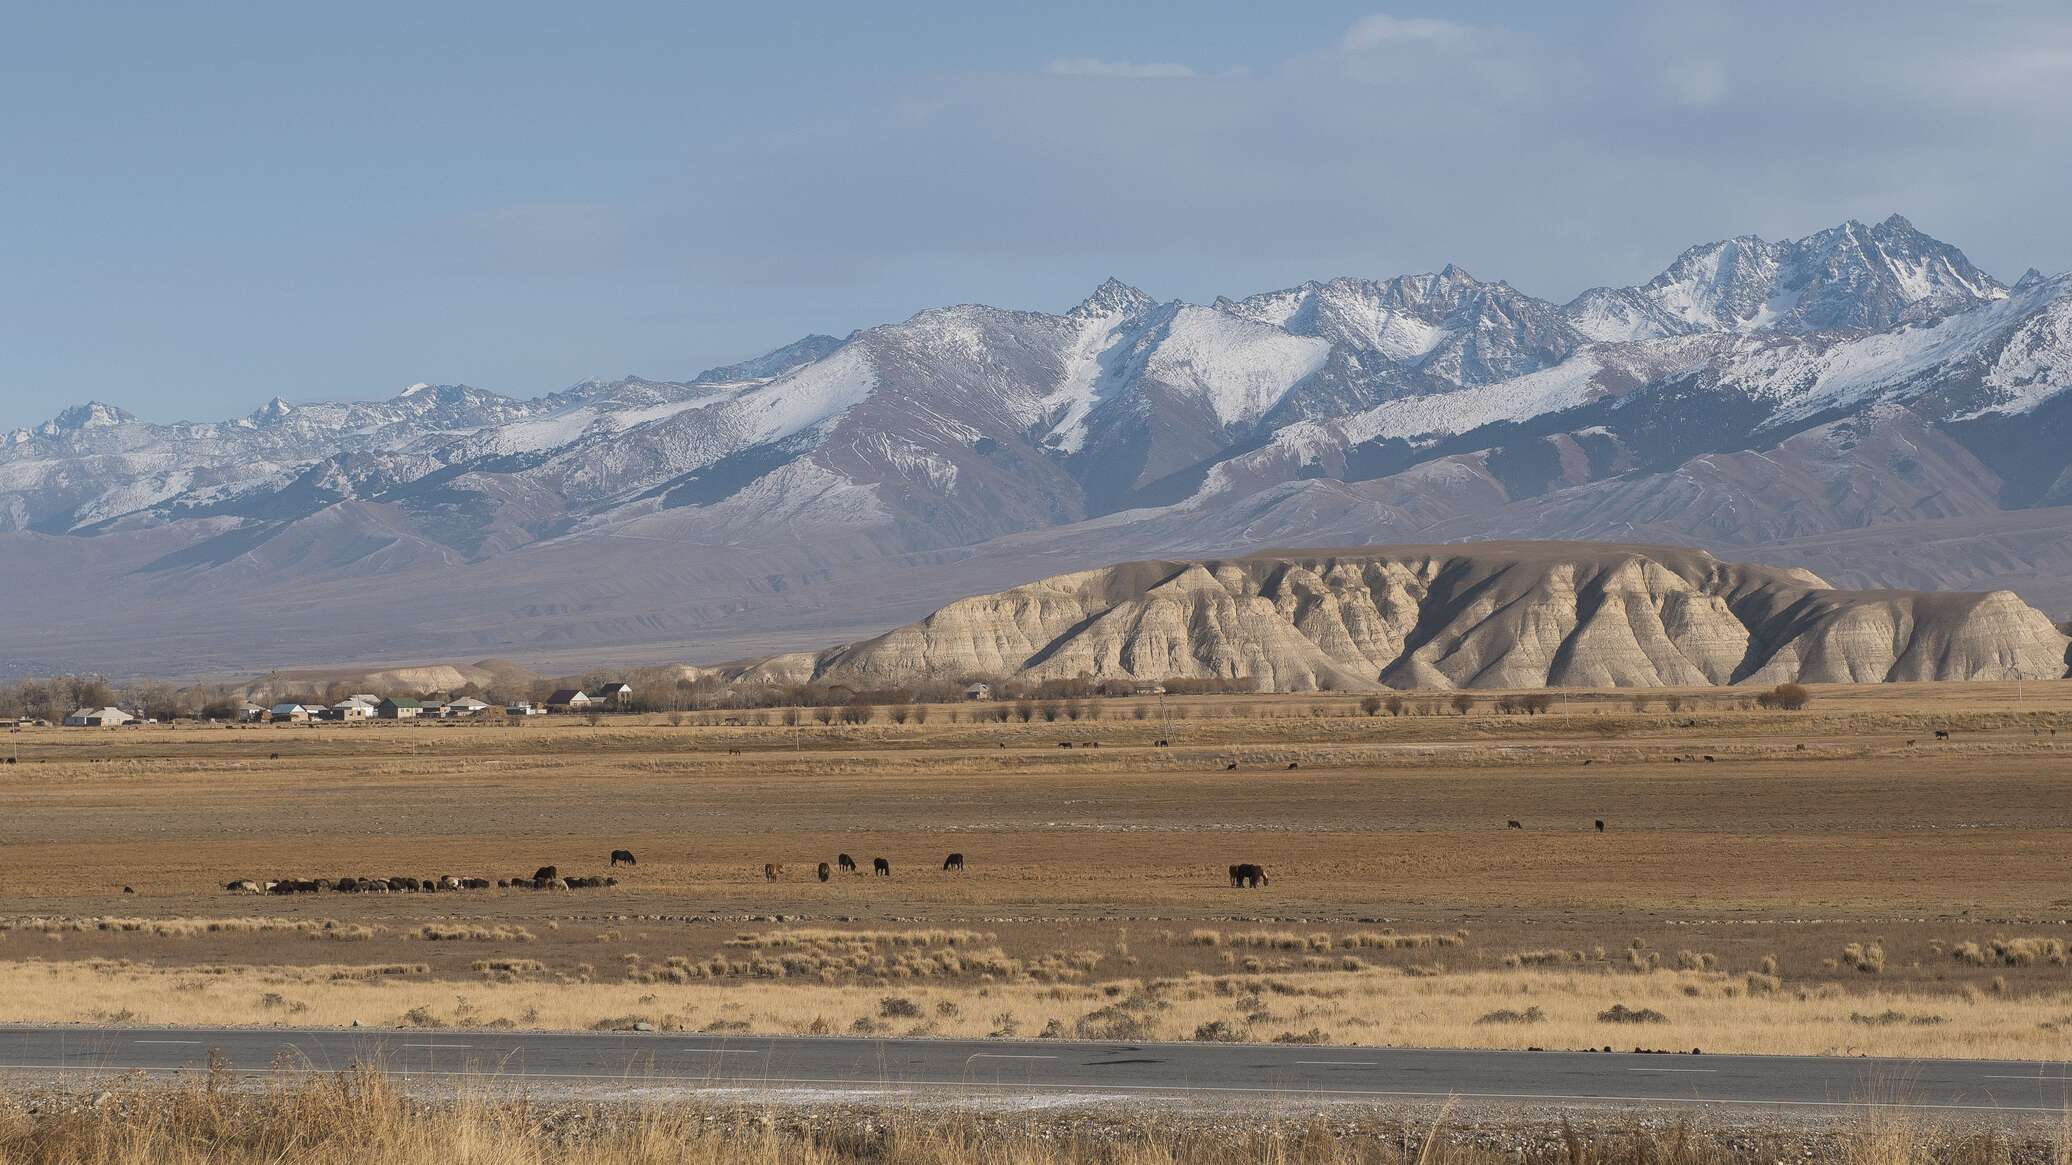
x,y
1389,940
2011,952
1552,957
464,932
1867,958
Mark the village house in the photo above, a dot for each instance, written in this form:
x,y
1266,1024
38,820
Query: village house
x,y
250,713
524,708
98,718
569,700
290,713
355,708
979,692
616,693
465,706
399,708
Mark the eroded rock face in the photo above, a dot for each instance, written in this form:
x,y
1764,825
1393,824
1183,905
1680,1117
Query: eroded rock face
x,y
1493,615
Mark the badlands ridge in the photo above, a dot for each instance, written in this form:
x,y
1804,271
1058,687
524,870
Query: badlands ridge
x,y
1486,615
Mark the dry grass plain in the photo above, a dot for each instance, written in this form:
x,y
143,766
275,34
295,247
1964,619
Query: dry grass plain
x,y
1833,880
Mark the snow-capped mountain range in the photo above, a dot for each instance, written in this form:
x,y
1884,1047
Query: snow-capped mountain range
x,y
1823,393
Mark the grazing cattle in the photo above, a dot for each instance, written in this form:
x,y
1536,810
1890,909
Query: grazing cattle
x,y
771,870
555,884
1160,744
591,882
1294,764
1708,758
1600,825
1514,824
405,883
845,863
1586,762
953,862
1942,734
503,883
545,874
242,886
1248,875
1910,742
474,883
881,866
1064,744
623,855
129,889
347,885
275,756
823,872
1093,744
1231,767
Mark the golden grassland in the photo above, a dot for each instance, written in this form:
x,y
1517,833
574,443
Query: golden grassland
x,y
1835,879
1710,1011
359,1117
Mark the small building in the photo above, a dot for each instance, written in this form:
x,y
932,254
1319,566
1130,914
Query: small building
x,y
290,713
250,713
465,706
355,708
1149,690
569,700
617,693
98,718
979,692
399,708
524,708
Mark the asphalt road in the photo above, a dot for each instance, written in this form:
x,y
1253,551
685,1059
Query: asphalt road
x,y
1212,1074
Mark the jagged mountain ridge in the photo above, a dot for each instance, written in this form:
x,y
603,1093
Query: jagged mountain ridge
x,y
1890,379
1491,615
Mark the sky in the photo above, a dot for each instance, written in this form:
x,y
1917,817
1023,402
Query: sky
x,y
204,205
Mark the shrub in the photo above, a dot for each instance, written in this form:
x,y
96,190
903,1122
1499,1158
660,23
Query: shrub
x,y
1506,1015
898,1007
1620,1013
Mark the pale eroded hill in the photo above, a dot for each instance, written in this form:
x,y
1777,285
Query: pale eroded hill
x,y
1491,615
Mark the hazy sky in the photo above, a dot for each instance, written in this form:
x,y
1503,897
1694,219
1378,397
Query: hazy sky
x,y
206,204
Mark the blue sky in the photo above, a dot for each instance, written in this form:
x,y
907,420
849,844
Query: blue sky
x,y
203,205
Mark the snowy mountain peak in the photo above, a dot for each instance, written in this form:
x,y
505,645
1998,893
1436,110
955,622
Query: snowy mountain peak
x,y
2030,278
1851,277
273,410
414,389
91,415
1113,298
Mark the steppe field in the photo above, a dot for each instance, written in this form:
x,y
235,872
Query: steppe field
x,y
1830,880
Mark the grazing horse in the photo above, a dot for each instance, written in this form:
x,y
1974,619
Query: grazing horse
x,y
1942,734
1600,825
1514,824
771,870
1249,875
824,872
881,866
623,855
845,863
954,862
